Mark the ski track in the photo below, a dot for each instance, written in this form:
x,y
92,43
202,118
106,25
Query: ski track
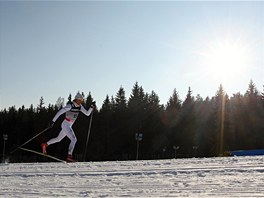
x,y
196,177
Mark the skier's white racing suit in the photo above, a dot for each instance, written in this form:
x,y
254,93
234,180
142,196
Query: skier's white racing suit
x,y
72,111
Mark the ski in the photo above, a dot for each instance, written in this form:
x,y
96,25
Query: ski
x,y
45,155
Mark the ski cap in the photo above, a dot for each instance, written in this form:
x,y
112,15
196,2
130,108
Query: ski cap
x,y
78,96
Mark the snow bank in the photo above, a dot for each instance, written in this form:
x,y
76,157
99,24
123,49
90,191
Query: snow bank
x,y
207,177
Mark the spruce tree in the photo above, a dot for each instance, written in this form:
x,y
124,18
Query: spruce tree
x,y
120,100
172,109
187,126
88,101
69,99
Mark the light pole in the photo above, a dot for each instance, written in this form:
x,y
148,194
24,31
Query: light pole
x,y
175,149
5,137
139,137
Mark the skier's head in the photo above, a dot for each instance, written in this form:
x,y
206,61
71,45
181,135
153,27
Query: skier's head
x,y
78,98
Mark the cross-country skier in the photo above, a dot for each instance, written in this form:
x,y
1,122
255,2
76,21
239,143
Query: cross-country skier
x,y
72,110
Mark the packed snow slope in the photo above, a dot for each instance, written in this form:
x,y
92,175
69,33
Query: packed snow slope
x,y
196,177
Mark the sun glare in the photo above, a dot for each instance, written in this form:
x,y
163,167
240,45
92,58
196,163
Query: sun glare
x,y
226,60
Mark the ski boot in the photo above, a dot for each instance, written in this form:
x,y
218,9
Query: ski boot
x,y
70,159
44,148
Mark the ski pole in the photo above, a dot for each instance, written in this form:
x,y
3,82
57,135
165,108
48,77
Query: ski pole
x,y
31,139
88,135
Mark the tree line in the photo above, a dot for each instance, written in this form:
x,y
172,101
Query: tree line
x,y
194,127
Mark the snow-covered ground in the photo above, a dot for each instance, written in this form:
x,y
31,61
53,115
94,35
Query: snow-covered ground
x,y
196,177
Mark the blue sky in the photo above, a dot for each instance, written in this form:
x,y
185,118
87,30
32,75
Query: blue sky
x,y
55,48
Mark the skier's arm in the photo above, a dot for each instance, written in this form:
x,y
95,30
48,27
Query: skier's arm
x,y
86,112
61,111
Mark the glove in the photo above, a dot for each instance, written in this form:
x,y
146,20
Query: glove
x,y
51,124
93,105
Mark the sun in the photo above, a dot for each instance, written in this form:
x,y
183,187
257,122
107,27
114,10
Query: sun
x,y
226,60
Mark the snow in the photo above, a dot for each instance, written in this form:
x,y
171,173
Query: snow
x,y
195,177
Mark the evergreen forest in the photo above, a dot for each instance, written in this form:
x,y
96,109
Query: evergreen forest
x,y
193,127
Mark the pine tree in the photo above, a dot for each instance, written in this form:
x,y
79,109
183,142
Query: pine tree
x,y
120,100
187,126
204,124
220,116
69,99
89,100
135,101
254,112
237,132
153,127
153,101
41,104
106,105
172,109
137,106
252,91
189,99
106,126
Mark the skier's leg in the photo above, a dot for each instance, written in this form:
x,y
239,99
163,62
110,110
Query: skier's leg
x,y
72,137
62,134
58,138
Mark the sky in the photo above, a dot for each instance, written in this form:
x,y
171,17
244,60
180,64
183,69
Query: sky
x,y
51,49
